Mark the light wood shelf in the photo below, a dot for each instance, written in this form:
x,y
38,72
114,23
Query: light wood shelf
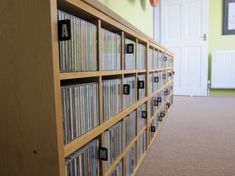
x,y
77,75
161,69
169,68
33,121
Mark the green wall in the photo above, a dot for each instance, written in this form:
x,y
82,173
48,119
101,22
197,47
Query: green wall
x,y
137,12
217,41
140,14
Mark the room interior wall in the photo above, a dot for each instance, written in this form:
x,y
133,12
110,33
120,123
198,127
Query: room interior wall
x,y
217,41
140,14
137,12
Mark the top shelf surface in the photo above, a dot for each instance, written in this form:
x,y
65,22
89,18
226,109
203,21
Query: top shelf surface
x,y
92,10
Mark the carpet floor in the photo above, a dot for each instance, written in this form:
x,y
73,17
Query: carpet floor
x,y
197,139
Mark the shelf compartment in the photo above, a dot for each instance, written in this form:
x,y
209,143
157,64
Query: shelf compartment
x,y
82,140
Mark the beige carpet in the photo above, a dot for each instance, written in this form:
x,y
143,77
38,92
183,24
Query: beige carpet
x,y
197,139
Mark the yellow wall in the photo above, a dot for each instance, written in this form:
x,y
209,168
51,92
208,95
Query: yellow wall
x,y
217,41
137,12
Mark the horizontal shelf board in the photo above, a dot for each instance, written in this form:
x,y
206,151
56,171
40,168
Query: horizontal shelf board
x,y
133,71
157,69
155,46
82,140
169,68
161,69
112,167
141,71
111,72
74,75
77,75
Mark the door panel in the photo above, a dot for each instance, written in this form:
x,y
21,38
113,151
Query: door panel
x,y
193,69
193,23
174,21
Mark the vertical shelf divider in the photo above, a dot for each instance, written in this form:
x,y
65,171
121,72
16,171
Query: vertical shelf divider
x,y
148,95
101,117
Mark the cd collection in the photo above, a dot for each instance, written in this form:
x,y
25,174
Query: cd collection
x,y
111,98
113,141
141,145
80,101
130,159
141,87
84,161
141,55
150,82
160,80
151,107
129,97
129,128
80,52
129,63
111,50
155,81
151,61
118,170
155,125
119,136
155,62
80,109
170,62
141,117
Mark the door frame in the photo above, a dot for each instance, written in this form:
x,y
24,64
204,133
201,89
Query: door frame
x,y
157,23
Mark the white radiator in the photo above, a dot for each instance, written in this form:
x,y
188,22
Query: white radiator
x,y
223,70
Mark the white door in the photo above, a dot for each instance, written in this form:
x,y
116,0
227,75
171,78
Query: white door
x,y
184,27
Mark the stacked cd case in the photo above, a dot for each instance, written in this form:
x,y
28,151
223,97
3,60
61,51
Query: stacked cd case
x,y
130,160
155,59
141,91
141,117
129,87
150,59
141,145
84,161
111,50
118,170
141,56
113,141
150,82
129,128
111,98
79,53
130,61
80,109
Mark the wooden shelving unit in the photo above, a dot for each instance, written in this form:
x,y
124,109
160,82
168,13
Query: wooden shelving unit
x,y
31,126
